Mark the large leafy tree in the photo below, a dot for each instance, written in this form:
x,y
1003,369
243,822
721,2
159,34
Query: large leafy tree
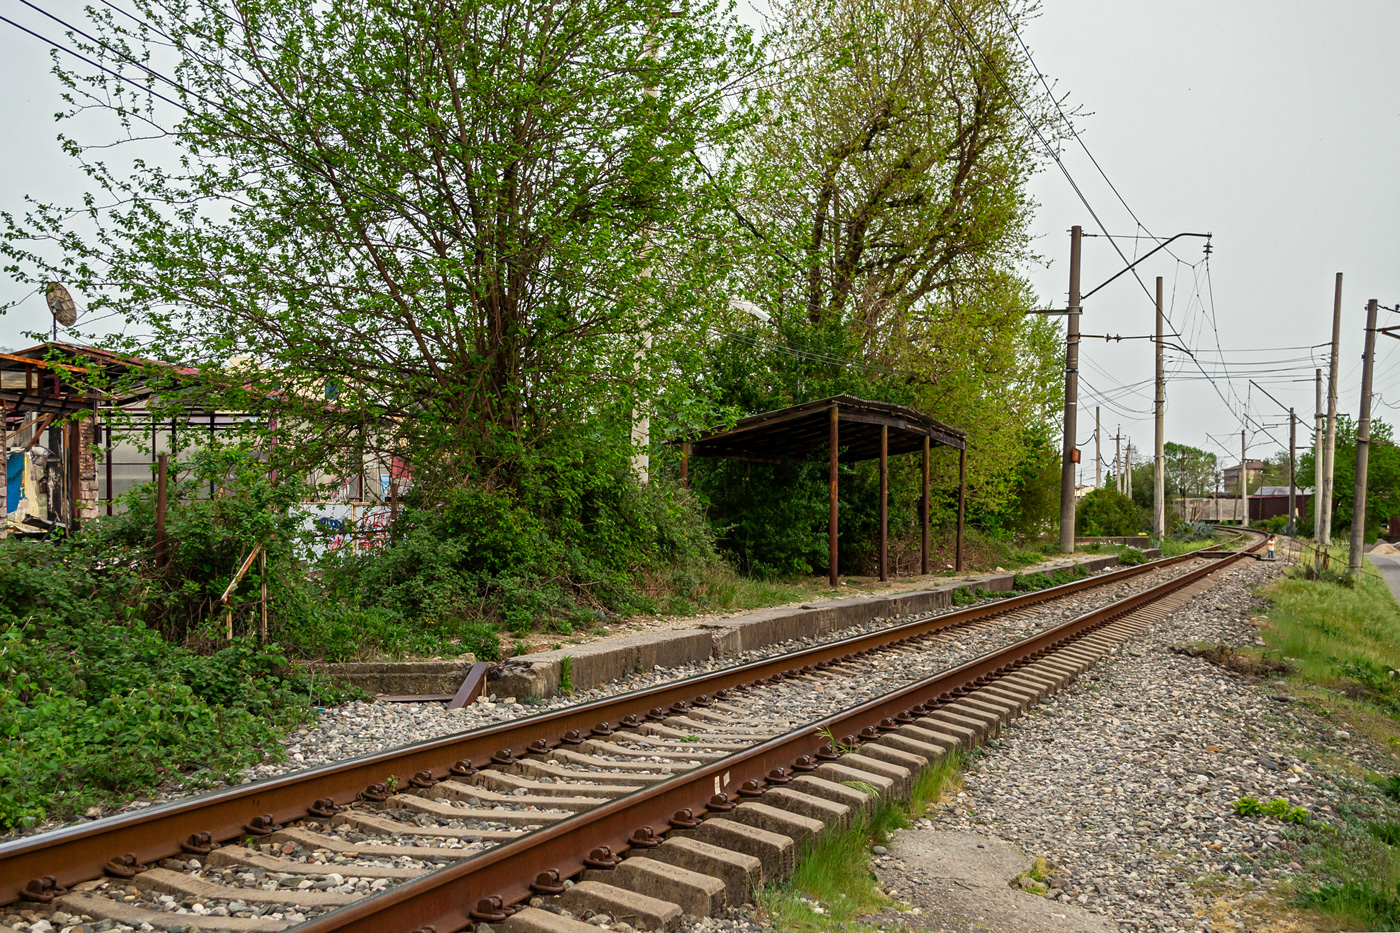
x,y
886,206
1382,477
443,229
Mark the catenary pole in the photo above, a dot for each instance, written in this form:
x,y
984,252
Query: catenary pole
x,y
1357,553
1329,452
1292,456
1118,459
1159,500
1317,452
1071,396
1098,451
1243,483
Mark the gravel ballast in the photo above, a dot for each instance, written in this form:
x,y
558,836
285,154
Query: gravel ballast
x,y
1126,782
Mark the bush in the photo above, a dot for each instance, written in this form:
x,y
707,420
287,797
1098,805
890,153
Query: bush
x,y
575,533
95,706
1108,512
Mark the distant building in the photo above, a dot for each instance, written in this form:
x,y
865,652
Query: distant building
x,y
1270,501
1231,476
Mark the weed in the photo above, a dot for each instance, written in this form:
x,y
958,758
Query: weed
x,y
1278,807
1386,832
690,738
566,675
1372,906
1390,786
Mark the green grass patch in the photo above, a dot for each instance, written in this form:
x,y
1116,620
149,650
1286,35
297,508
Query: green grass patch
x,y
1175,547
833,885
1342,637
1342,640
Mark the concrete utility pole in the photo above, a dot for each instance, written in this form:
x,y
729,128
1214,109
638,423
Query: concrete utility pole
x,y
1244,484
1292,453
1118,459
1357,552
1159,478
1128,469
1098,451
1317,451
1071,396
1324,490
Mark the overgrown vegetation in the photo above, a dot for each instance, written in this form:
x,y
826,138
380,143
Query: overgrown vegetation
x,y
1344,638
1106,511
102,693
833,885
1337,645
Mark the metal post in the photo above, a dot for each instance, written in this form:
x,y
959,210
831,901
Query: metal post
x,y
962,508
262,572
1098,451
211,445
923,513
5,468
1357,554
1292,455
1159,477
1324,490
831,530
1071,397
111,493
75,479
160,510
884,502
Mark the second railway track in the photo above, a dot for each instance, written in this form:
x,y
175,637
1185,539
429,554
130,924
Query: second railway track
x,y
452,832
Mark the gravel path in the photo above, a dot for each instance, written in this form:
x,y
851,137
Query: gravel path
x,y
1126,782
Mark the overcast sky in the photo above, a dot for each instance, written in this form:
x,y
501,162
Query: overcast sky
x,y
1274,126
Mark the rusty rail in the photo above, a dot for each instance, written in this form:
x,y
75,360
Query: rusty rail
x,y
444,899
78,853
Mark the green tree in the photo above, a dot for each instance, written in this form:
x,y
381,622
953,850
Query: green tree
x,y
1382,478
440,231
886,218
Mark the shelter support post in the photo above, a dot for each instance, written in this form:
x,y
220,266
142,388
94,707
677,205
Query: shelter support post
x,y
962,508
923,513
831,524
108,442
884,502
160,511
75,479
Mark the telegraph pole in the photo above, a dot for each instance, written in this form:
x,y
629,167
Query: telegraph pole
x,y
1118,459
1317,452
1071,396
1244,484
1324,491
1363,447
1159,501
1128,469
1292,453
1098,451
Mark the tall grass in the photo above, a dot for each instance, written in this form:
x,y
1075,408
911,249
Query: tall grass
x,y
1339,636
833,884
1345,636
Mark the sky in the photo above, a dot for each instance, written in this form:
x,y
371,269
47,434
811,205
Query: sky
x,y
1273,126
1276,128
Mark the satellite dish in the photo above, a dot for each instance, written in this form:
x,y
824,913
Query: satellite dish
x,y
61,305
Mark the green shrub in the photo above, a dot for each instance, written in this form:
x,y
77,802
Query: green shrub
x,y
96,706
1107,512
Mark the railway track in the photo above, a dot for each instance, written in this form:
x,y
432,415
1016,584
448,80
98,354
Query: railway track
x,y
708,786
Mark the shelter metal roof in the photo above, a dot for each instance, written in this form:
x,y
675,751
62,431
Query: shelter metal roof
x,y
800,431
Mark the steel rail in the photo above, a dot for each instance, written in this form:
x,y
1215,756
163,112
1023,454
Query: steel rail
x,y
444,899
81,852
